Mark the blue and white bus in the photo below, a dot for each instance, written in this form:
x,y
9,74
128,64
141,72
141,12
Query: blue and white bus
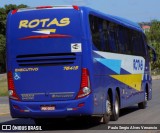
x,y
68,61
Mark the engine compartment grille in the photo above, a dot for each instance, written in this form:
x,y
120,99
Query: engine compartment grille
x,y
51,59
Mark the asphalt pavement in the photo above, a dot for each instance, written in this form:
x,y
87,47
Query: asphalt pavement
x,y
130,115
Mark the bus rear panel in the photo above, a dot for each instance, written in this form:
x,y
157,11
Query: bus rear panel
x,y
45,70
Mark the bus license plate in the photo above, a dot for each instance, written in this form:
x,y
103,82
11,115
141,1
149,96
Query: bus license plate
x,y
47,108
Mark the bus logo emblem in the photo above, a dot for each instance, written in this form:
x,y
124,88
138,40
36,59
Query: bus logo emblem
x,y
76,47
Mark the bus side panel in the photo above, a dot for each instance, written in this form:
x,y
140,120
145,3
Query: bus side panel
x,y
125,72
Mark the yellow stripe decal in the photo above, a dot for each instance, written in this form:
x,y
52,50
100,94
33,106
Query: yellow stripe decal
x,y
132,80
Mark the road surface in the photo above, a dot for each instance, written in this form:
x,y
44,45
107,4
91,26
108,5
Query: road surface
x,y
130,115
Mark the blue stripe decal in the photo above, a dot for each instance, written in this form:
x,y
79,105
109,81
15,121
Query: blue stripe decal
x,y
114,65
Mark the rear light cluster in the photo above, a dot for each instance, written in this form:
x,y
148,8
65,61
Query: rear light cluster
x,y
85,84
11,87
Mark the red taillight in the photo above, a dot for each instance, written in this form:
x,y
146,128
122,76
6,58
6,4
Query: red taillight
x,y
85,84
75,7
11,87
10,81
85,76
41,7
14,11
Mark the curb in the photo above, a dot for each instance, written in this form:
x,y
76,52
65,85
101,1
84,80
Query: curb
x,y
156,77
3,76
4,109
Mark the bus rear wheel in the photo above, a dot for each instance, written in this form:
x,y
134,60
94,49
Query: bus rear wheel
x,y
143,104
106,115
115,111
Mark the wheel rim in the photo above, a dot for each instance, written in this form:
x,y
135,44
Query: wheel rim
x,y
146,96
116,107
108,107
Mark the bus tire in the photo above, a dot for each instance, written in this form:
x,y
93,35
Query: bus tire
x,y
116,109
143,104
106,115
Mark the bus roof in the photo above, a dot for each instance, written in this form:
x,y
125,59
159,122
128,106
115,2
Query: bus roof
x,y
116,19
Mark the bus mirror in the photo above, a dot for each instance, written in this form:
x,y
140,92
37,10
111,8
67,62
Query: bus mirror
x,y
152,52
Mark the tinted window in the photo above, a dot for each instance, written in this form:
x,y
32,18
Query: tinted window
x,y
103,34
121,40
138,44
106,37
95,30
110,37
113,43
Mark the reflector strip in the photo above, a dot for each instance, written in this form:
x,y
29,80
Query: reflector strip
x,y
46,36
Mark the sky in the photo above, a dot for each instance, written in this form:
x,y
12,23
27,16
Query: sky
x,y
134,10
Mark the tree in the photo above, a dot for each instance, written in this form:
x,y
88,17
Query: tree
x,y
2,52
154,39
3,16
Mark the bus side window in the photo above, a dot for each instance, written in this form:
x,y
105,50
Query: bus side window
x,y
126,42
105,35
94,26
121,40
112,38
101,32
146,48
129,43
143,48
135,43
138,48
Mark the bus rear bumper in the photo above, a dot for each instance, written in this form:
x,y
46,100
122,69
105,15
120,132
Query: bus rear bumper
x,y
63,109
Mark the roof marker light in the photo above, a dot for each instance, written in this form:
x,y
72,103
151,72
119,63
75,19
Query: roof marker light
x,y
41,7
75,7
14,11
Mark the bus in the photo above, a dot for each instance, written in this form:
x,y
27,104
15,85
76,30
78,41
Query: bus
x,y
70,61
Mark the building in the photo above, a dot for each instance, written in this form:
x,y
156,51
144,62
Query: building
x,y
146,28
